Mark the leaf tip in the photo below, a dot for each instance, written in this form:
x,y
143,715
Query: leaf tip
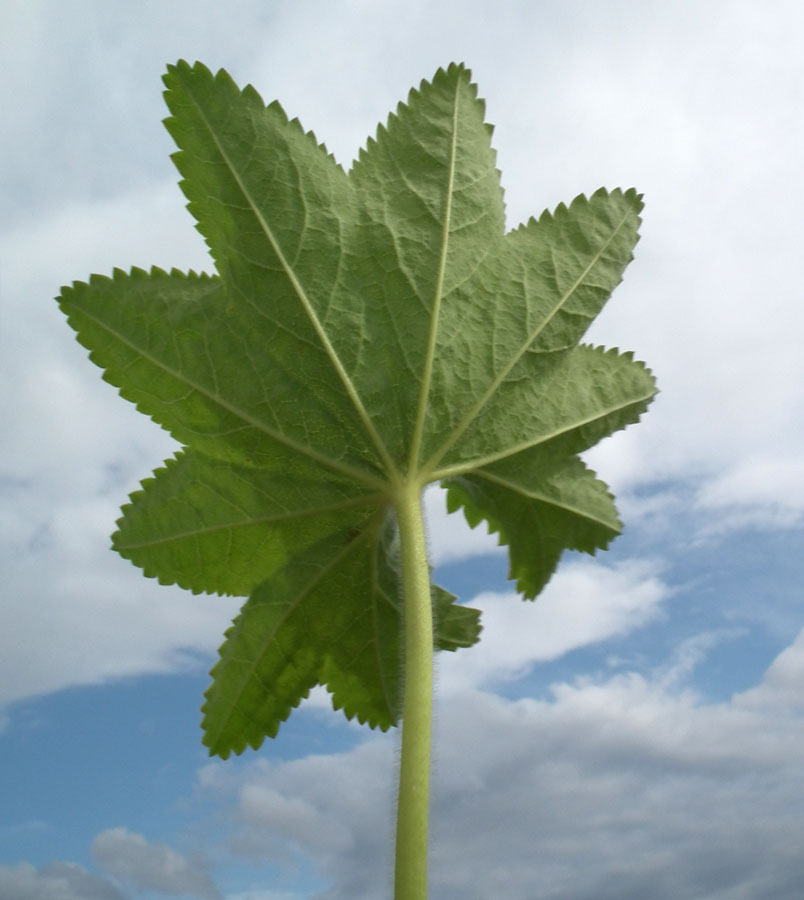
x,y
453,71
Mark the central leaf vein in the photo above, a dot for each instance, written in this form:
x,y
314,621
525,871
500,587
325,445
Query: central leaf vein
x,y
469,465
541,498
367,500
418,428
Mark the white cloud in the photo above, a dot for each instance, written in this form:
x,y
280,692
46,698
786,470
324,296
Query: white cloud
x,y
87,615
626,787
330,807
274,805
56,881
84,92
781,688
133,860
766,491
584,603
449,537
617,789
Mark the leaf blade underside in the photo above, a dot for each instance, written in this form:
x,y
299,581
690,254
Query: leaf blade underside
x,y
363,329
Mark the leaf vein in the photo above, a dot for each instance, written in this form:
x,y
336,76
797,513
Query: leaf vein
x,y
300,292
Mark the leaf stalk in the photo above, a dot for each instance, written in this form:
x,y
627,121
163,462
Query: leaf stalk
x,y
410,879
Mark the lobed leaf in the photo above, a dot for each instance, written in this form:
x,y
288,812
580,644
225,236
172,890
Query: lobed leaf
x,y
363,330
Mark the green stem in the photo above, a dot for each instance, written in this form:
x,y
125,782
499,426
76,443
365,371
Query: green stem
x,y
410,882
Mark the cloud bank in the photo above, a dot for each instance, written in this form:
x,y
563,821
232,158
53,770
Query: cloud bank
x,y
628,787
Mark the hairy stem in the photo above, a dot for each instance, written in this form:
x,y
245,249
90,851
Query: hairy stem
x,y
410,881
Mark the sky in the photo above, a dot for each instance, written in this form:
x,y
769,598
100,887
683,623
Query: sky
x,y
638,730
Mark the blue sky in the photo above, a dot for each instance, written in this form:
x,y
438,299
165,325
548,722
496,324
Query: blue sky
x,y
636,732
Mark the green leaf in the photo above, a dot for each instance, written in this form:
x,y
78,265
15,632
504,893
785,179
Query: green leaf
x,y
363,331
